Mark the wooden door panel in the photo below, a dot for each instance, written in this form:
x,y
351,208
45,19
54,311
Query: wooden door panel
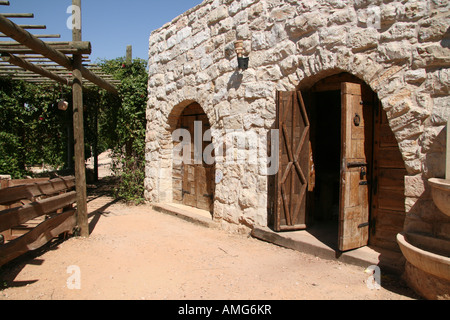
x,y
355,195
294,149
197,176
189,187
204,194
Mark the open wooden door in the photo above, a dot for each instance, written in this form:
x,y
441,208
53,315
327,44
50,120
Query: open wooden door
x,y
356,160
291,181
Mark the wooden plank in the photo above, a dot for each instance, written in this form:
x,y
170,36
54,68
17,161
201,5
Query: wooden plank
x,y
47,188
391,178
291,185
391,199
38,237
14,217
354,195
388,200
390,158
21,182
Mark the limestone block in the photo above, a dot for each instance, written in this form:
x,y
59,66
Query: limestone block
x,y
248,199
200,37
217,14
395,51
431,55
258,90
253,120
269,73
400,31
282,13
307,45
433,139
363,39
223,109
415,76
416,186
342,16
259,41
434,165
389,13
416,9
233,122
234,8
433,29
183,34
247,3
304,24
242,32
333,36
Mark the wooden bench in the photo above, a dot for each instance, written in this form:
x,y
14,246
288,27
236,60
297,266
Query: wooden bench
x,y
32,214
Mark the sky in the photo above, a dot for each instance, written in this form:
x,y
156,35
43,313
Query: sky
x,y
110,25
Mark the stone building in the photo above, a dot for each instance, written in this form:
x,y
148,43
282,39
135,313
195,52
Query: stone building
x,y
351,97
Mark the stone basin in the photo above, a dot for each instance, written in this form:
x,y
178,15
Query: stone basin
x,y
440,190
427,268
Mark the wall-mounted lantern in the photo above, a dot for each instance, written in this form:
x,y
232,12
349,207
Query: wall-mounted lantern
x,y
242,61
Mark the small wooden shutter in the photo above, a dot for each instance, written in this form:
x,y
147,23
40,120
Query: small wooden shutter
x,y
354,204
294,150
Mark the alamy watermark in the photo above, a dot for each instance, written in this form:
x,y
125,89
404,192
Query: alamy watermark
x,y
74,280
374,17
74,21
373,282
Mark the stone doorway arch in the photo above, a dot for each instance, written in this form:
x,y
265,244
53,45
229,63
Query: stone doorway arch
x,y
382,172
193,163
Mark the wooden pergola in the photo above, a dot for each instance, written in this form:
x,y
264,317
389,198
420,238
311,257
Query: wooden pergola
x,y
26,57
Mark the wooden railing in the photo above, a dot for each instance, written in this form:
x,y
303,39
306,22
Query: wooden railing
x,y
48,202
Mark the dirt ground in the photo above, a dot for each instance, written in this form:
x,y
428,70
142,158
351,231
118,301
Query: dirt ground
x,y
137,253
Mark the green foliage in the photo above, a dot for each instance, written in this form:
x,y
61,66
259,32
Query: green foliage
x,y
131,182
32,129
9,155
124,126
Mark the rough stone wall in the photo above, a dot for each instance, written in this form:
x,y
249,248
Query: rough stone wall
x,y
399,48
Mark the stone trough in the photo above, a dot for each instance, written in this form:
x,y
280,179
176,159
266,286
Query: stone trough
x,y
427,269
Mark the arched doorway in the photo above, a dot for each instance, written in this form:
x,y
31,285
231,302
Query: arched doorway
x,y
351,186
193,174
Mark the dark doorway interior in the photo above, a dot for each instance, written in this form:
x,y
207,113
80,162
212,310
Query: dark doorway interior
x,y
325,115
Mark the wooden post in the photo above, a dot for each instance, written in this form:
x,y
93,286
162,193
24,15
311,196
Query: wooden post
x,y
129,58
95,147
78,132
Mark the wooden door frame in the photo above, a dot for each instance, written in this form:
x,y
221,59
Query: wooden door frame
x,y
209,184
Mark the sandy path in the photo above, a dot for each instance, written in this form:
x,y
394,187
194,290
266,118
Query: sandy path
x,y
137,253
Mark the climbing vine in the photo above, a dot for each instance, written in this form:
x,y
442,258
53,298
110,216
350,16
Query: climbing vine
x,y
33,131
124,124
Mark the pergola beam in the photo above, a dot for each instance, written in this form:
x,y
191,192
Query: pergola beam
x,y
35,69
17,15
38,46
63,47
40,36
